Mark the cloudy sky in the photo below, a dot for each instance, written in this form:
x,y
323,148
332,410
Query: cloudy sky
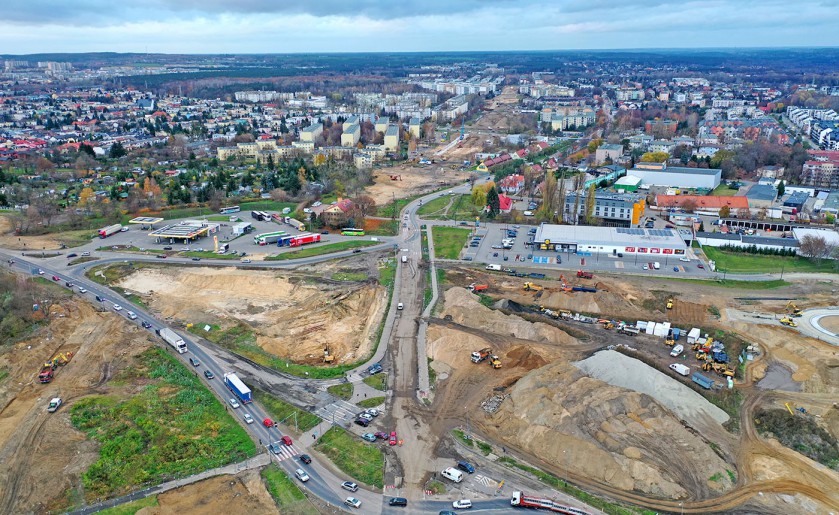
x,y
278,26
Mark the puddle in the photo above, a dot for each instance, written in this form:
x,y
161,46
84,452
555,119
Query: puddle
x,y
779,377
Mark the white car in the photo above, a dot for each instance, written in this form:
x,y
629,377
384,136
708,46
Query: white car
x,y
645,267
82,290
54,404
117,307
248,418
352,502
233,403
301,475
40,272
131,315
685,259
462,504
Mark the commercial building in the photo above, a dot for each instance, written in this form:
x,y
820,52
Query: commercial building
x,y
701,203
351,135
650,243
659,174
392,138
627,184
614,209
311,132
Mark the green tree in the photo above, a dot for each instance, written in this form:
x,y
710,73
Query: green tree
x,y
493,202
590,204
479,196
781,188
117,151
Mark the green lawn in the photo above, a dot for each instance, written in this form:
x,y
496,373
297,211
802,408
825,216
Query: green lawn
x,y
131,249
450,207
171,427
372,402
322,249
435,208
286,493
724,191
208,254
741,262
378,381
130,508
342,391
358,459
449,241
281,411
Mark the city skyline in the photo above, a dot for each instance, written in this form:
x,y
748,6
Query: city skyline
x,y
370,25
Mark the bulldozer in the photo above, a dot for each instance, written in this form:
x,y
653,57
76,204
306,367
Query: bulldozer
x,y
669,303
528,286
788,322
494,361
795,311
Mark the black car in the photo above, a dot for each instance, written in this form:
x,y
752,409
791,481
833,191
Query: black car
x,y
375,368
145,324
356,251
194,362
72,255
196,259
398,501
305,458
161,256
466,466
167,248
100,299
362,422
208,374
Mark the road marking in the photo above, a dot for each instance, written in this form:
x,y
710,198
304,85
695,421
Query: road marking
x,y
619,264
484,480
286,452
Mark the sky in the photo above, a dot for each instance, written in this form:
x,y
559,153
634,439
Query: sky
x,y
294,26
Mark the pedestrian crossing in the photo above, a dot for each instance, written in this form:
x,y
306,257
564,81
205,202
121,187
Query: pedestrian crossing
x,y
285,451
338,411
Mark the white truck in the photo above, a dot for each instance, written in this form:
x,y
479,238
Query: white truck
x,y
657,265
497,268
677,350
173,339
680,369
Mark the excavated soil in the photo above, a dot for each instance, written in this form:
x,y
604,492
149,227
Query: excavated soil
x,y
42,454
414,179
243,493
293,316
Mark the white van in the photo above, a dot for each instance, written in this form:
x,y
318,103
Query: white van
x,y
404,259
677,350
657,265
680,369
399,306
453,474
494,267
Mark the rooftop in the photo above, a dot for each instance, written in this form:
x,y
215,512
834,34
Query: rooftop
x,y
611,236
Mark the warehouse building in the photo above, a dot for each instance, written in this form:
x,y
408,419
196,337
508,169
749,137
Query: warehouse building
x,y
610,240
659,174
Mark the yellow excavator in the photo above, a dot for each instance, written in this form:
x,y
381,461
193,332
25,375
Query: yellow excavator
x,y
528,286
795,311
788,322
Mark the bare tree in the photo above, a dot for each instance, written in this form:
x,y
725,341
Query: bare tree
x,y
689,206
744,213
365,205
815,247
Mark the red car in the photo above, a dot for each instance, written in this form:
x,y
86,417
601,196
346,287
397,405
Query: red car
x,y
286,440
700,265
380,435
55,278
268,422
392,438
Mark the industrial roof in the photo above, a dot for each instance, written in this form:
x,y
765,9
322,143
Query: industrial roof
x,y
700,201
628,180
145,220
618,236
185,230
830,236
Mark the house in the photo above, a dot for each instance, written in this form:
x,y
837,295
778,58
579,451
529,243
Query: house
x,y
512,184
505,203
335,214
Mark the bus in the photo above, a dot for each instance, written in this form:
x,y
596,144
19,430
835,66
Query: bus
x,y
261,216
352,231
229,209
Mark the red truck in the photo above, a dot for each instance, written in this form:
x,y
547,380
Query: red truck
x,y
584,275
304,239
47,373
478,287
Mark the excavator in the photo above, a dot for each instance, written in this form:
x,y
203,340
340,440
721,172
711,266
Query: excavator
x,y
788,322
670,342
795,311
528,286
719,368
607,324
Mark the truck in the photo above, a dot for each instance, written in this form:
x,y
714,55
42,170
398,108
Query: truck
x,y
497,268
481,355
478,287
528,286
680,369
235,385
521,500
268,237
300,226
657,265
629,330
584,275
173,339
109,230
702,381
304,239
47,372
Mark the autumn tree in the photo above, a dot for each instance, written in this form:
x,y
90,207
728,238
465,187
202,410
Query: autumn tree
x,y
549,197
590,200
744,213
725,212
689,206
86,196
655,157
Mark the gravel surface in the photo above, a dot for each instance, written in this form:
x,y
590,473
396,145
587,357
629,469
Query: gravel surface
x,y
619,370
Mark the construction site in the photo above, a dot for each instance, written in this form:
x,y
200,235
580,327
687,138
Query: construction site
x,y
578,386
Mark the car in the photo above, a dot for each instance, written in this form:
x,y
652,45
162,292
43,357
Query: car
x,y
305,458
700,265
373,411
400,306
645,267
55,278
117,307
362,422
185,249
356,251
145,324
268,422
167,248
466,467
675,269
366,416
392,440
248,418
161,256
55,403
85,254
446,512
131,315
301,475
380,434
685,259
40,272
100,299
349,485
463,223
196,259
286,440
71,255
352,502
82,290
375,368
233,403
462,504
124,229
370,437
324,232
208,374
497,247
246,261
397,501
194,362
275,448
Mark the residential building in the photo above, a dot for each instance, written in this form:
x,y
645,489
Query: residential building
x,y
414,128
349,122
392,138
661,127
382,124
616,209
822,170
351,135
311,133
662,146
608,151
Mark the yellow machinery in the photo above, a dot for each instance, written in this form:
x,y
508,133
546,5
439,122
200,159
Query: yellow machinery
x,y
788,322
670,341
669,303
494,361
528,286
795,311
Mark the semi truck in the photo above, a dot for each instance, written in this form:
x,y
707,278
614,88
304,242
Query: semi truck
x,y
173,339
297,224
304,239
268,237
235,385
520,500
111,229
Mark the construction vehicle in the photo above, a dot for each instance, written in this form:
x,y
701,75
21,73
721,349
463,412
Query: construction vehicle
x,y
494,361
607,324
670,342
327,358
47,372
788,322
396,177
629,330
795,311
528,286
481,355
478,287
584,275
669,303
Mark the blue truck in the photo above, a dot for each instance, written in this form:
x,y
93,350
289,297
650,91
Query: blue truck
x,y
702,381
235,385
535,275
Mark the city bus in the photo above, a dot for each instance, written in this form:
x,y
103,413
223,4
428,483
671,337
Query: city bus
x,y
352,231
230,209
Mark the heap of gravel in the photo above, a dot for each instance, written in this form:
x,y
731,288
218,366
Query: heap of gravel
x,y
620,370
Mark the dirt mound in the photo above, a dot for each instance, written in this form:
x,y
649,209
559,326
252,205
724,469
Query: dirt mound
x,y
242,493
42,454
525,358
605,432
291,316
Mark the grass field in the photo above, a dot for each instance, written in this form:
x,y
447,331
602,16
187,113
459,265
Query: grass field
x,y
207,254
378,381
172,427
355,457
741,262
287,495
456,207
372,402
724,191
342,391
280,411
321,250
132,507
449,241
